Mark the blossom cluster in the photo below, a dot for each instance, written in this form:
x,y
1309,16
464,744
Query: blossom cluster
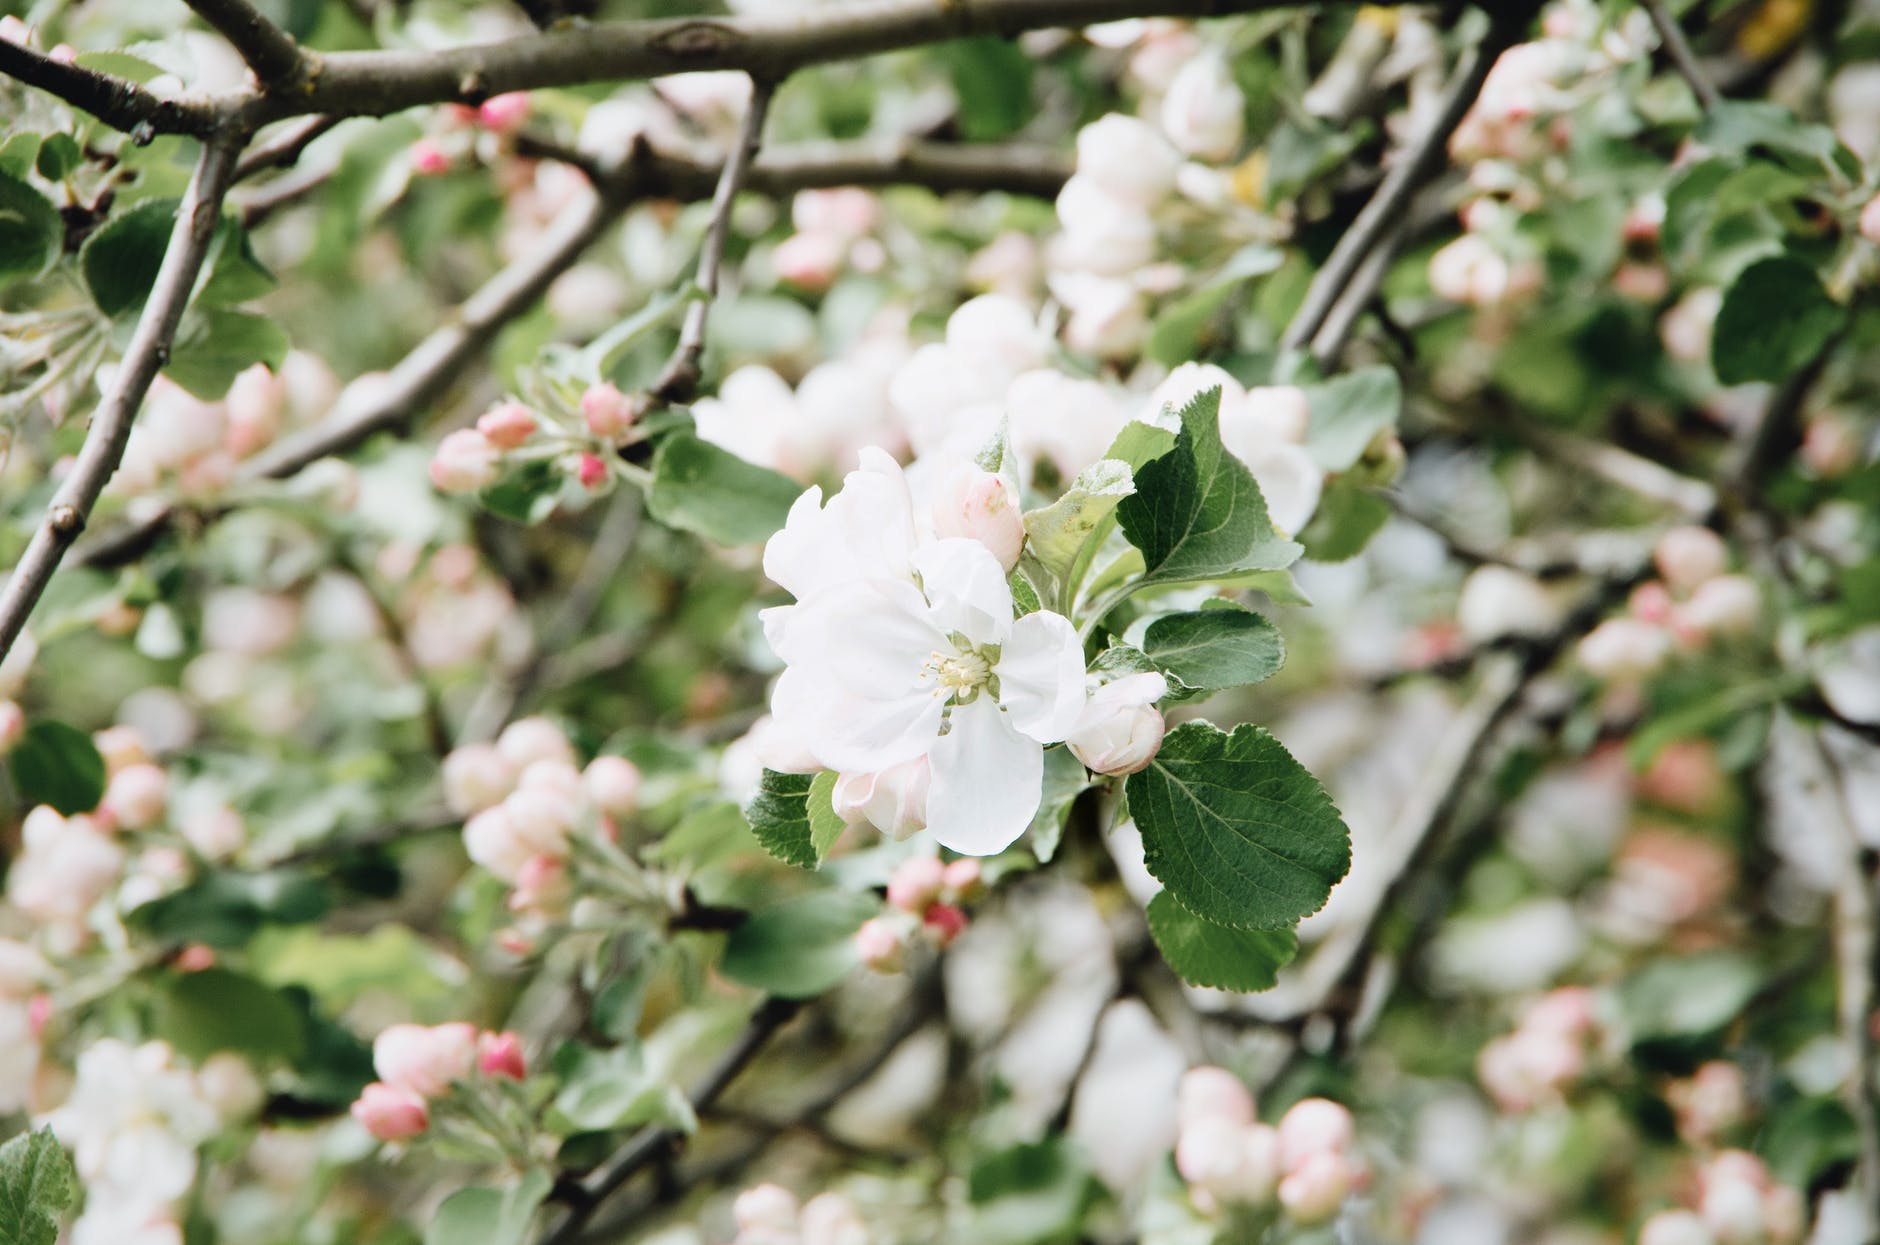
x,y
1546,1054
418,1065
769,1214
1304,1164
579,443
1695,599
924,900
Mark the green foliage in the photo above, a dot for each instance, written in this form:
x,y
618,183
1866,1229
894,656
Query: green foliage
x,y
1688,997
1205,954
120,260
1056,534
1197,513
992,78
1064,780
1239,832
482,1216
603,1089
31,232
1031,1194
1210,649
215,1009
1347,413
37,1185
224,908
793,816
701,488
800,947
1775,319
57,764
214,346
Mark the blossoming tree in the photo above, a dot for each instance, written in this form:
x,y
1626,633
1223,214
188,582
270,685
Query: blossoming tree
x,y
634,622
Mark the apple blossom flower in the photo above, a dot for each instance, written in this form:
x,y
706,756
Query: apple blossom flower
x,y
1212,1093
613,784
1674,1227
492,841
1107,316
476,777
1687,556
1310,1127
1127,158
831,1219
1120,730
765,1207
1204,112
135,797
1725,605
880,945
425,1059
500,1055
527,740
390,1113
1229,1161
893,800
465,461
607,412
1623,649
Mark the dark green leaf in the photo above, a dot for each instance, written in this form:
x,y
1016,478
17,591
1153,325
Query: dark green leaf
x,y
121,259
37,1184
1031,1194
58,156
992,78
1205,954
31,232
225,908
1775,319
800,947
58,764
527,495
215,1009
1237,829
780,818
1197,513
701,488
1211,649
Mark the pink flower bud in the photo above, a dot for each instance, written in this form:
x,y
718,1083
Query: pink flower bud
x,y
1120,730
136,796
916,884
1651,602
528,740
1314,1192
542,817
1831,446
476,777
492,841
1228,1161
504,113
120,746
765,1208
613,783
980,505
1709,1101
424,1061
1870,220
13,30
809,261
1674,1227
1726,605
1209,1093
962,880
1687,556
1312,1126
390,1113
945,922
509,426
195,958
879,945
608,412
1569,1010
893,801
542,886
500,1054
1642,283
428,158
12,725
591,471
464,462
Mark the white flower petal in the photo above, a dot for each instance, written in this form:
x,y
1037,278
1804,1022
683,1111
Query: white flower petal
x,y
966,588
866,531
872,637
846,732
1041,676
987,781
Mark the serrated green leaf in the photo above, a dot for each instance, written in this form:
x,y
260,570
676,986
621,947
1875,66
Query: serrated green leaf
x,y
57,764
1197,513
1236,829
799,948
489,1216
703,489
37,1185
825,826
120,260
779,816
1348,411
31,233
1057,533
1776,317
1205,954
1211,649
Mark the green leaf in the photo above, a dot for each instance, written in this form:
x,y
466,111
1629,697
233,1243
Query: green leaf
x,y
825,826
212,1010
780,817
798,948
1064,780
1056,534
527,495
119,65
489,1216
1775,319
701,488
1348,412
1139,444
1031,1194
58,764
1690,996
236,273
992,78
596,361
37,1185
1236,829
604,1089
1347,517
1196,513
31,233
215,346
1739,127
1215,648
58,156
19,153
224,908
120,260
1205,954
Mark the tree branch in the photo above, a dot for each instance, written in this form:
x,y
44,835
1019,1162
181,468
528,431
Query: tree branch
x,y
680,379
149,350
1383,213
277,60
284,151
770,48
1678,48
118,102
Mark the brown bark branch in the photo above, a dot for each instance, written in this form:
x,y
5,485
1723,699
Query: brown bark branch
x,y
118,102
277,60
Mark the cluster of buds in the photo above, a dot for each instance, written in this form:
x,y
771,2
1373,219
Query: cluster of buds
x,y
420,1065
769,1214
1231,1160
1735,1202
529,807
581,443
832,232
1545,1055
1695,600
1709,1102
924,898
466,134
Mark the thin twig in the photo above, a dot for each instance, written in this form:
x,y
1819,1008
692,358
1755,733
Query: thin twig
x,y
149,350
278,61
285,151
680,379
1414,166
118,102
1678,48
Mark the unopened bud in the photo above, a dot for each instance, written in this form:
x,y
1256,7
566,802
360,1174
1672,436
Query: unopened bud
x,y
390,1113
464,462
509,426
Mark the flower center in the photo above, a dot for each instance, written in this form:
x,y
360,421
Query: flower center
x,y
958,675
